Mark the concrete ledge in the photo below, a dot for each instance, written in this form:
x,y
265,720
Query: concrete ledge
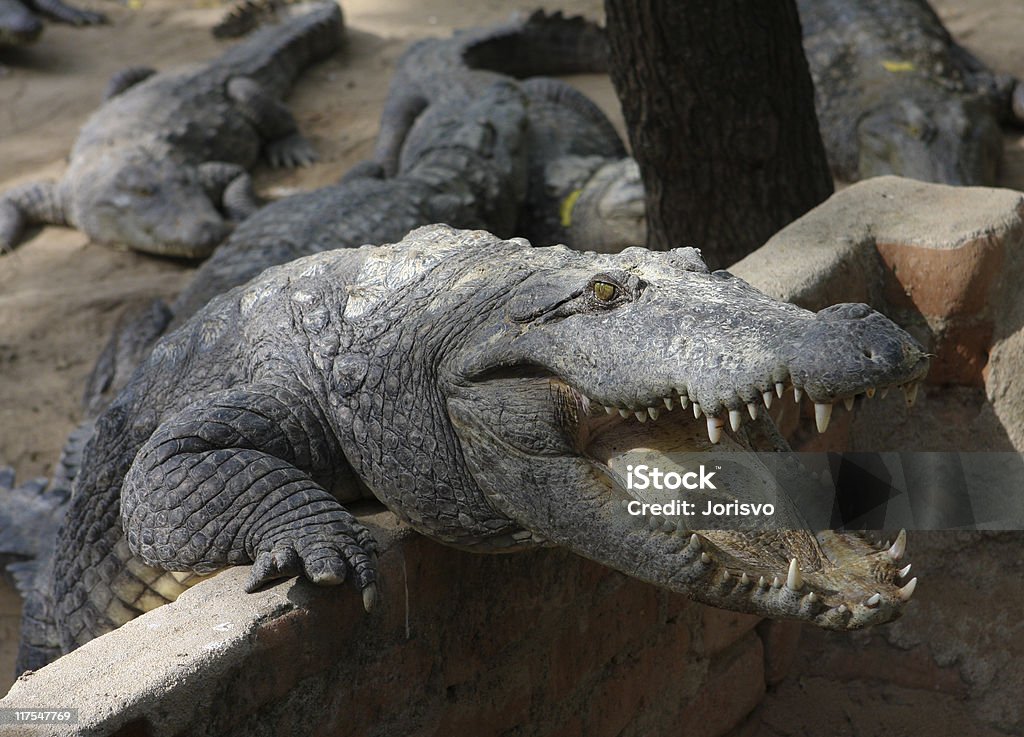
x,y
540,643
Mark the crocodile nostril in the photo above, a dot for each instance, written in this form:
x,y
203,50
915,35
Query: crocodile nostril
x,y
869,354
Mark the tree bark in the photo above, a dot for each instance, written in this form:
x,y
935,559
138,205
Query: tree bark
x,y
719,105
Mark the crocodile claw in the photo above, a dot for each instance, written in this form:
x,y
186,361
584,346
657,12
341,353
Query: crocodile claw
x,y
291,151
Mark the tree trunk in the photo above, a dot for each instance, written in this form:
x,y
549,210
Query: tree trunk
x,y
719,105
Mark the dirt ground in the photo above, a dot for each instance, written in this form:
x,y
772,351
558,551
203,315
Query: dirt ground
x,y
60,295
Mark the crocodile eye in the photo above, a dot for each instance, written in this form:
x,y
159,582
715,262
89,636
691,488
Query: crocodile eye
x,y
604,291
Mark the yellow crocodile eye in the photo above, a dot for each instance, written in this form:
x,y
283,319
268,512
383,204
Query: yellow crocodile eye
x,y
604,291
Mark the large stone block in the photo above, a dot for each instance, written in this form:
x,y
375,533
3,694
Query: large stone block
x,y
540,643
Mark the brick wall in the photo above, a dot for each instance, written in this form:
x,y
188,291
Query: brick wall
x,y
541,643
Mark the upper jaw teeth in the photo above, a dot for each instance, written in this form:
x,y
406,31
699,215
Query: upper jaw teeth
x,y
735,415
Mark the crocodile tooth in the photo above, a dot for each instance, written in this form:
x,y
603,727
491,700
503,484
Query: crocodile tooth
x,y
841,609
762,582
735,419
623,413
822,414
624,503
684,401
725,576
798,394
668,526
715,429
653,523
705,558
652,413
899,547
779,388
848,403
886,544
695,541
776,583
668,403
752,410
744,579
767,399
609,410
794,580
873,600
885,391
640,415
696,410
907,591
904,571
911,393
811,598
870,392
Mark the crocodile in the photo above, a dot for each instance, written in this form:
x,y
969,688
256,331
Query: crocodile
x,y
895,94
484,391
20,23
461,164
162,165
583,191
464,165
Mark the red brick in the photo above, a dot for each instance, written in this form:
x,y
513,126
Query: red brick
x,y
780,641
734,687
943,282
722,628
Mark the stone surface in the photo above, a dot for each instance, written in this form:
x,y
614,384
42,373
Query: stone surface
x,y
541,643
780,640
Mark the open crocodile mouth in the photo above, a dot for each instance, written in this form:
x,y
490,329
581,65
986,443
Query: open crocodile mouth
x,y
840,580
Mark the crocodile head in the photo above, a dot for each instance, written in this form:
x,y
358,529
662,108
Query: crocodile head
x,y
601,207
152,204
951,139
572,361
610,211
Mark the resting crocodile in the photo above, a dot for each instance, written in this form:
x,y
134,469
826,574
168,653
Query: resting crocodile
x,y
483,390
895,94
582,190
20,24
464,165
165,158
461,164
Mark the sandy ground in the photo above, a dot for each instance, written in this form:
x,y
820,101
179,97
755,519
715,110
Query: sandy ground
x,y
60,295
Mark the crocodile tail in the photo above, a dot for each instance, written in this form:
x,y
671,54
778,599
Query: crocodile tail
x,y
275,55
544,43
30,514
40,639
600,136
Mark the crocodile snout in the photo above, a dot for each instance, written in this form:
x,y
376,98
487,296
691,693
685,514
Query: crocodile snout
x,y
849,348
